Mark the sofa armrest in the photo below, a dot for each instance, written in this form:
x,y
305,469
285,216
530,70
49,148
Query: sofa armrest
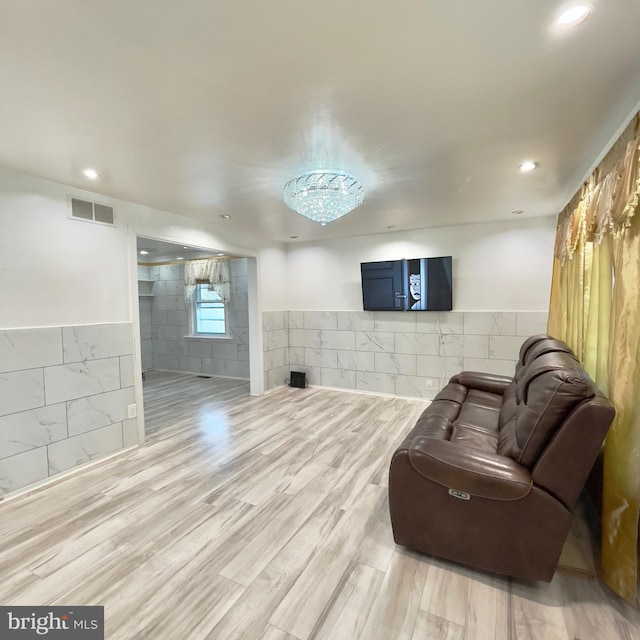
x,y
482,381
467,470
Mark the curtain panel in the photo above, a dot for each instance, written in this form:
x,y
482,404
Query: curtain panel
x,y
595,308
212,270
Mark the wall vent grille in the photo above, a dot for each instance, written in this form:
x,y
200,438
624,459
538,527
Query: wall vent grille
x,y
92,212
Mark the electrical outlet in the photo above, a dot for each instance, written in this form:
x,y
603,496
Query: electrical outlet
x,y
132,411
429,383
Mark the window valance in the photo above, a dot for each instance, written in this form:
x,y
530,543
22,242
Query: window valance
x,y
605,205
212,270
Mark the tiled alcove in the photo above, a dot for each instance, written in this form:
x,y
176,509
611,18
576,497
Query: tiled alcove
x,y
165,331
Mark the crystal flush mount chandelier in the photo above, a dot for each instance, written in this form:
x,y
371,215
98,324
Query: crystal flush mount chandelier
x,y
323,195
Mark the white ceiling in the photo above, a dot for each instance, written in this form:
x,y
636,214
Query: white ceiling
x,y
158,252
205,107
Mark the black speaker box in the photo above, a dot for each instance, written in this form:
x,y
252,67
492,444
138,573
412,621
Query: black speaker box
x,y
298,379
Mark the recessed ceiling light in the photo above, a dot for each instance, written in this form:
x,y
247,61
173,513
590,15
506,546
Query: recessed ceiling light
x,y
574,16
179,258
220,254
518,212
144,252
186,247
91,174
225,216
529,165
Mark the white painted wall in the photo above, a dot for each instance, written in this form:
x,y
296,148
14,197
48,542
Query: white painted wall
x,y
56,271
497,266
272,265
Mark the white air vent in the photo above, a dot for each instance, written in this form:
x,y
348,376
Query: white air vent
x,y
91,211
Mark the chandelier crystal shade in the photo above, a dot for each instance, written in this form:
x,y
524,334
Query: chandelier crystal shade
x,y
323,196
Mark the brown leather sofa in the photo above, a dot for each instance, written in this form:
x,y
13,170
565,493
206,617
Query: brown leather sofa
x,y
490,473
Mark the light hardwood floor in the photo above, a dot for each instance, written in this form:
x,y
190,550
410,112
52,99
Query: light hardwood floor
x,y
266,518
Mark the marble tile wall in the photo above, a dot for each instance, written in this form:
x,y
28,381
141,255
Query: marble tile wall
x,y
171,347
403,354
64,394
275,333
145,301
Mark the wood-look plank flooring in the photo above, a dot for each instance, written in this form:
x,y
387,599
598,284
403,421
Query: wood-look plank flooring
x,y
266,518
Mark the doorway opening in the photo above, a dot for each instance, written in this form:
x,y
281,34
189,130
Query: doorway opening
x,y
191,340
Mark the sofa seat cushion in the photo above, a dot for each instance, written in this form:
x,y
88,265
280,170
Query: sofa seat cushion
x,y
485,417
477,426
470,436
483,399
466,417
434,425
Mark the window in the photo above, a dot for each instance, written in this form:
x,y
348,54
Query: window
x,y
209,312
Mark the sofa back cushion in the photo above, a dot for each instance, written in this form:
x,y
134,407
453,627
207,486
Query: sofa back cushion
x,y
547,346
532,348
527,345
547,390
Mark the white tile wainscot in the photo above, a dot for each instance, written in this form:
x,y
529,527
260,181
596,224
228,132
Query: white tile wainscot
x,y
75,450
96,341
100,410
485,323
81,379
32,429
64,394
21,390
276,340
30,348
408,354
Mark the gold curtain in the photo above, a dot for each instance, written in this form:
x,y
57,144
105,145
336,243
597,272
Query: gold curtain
x,y
595,308
621,481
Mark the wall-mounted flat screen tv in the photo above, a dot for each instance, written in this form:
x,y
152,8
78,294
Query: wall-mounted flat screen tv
x,y
421,284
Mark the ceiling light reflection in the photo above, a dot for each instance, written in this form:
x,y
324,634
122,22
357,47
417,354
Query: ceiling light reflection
x,y
574,16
